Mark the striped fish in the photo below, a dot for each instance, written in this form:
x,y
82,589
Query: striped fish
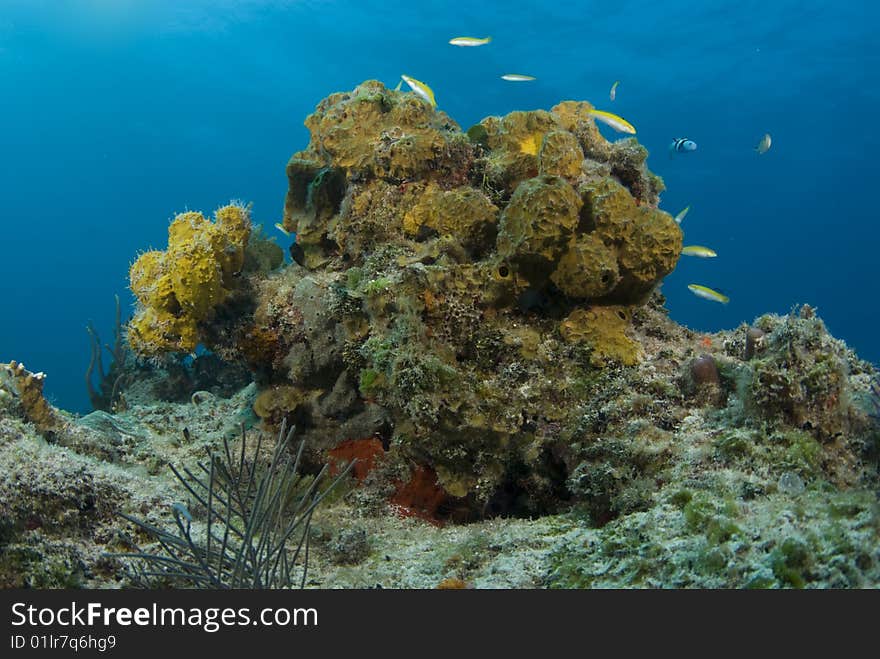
x,y
682,145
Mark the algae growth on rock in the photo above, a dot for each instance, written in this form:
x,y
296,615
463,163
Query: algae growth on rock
x,y
475,317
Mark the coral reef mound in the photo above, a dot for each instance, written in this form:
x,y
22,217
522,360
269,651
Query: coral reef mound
x,y
475,317
449,288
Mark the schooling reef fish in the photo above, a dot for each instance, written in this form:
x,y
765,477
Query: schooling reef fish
x,y
698,250
682,145
681,215
708,293
470,41
421,89
517,77
764,145
619,124
613,93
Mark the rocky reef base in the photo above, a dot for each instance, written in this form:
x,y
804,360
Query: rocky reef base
x,y
745,458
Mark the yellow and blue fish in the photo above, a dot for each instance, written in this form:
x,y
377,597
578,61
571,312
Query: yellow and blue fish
x,y
421,90
470,41
708,293
613,93
682,214
619,124
699,250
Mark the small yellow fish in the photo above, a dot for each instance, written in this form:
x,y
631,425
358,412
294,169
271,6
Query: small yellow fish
x,y
613,93
399,85
421,89
698,250
470,41
681,215
281,228
619,124
708,294
517,77
764,145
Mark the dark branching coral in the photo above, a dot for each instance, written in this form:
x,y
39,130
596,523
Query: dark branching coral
x,y
251,514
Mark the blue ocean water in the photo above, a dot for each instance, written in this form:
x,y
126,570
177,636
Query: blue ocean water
x,y
117,114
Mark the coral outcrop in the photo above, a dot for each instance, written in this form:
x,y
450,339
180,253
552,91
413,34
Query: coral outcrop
x,y
450,281
179,289
477,315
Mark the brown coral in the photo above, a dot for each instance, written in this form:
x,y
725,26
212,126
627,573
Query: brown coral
x,y
463,212
29,389
560,155
537,226
604,330
588,269
372,132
